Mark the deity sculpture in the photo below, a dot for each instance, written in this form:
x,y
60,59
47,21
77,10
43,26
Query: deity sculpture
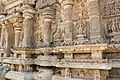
x,y
82,28
58,34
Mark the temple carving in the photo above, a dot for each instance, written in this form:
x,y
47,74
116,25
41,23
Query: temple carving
x,y
59,40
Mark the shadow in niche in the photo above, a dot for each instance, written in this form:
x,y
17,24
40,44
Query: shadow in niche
x,y
34,5
114,74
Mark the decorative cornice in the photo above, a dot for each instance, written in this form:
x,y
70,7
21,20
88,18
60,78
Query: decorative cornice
x,y
28,11
28,8
65,49
11,18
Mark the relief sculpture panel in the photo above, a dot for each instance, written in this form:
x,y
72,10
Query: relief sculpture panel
x,y
110,12
81,21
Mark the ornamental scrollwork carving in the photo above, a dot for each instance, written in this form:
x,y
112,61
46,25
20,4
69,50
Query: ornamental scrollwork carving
x,y
110,7
110,18
113,25
82,28
82,73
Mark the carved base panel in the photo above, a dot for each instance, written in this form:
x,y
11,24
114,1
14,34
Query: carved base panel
x,y
82,56
87,73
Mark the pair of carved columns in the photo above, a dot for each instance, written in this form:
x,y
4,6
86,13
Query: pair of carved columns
x,y
96,34
28,23
7,36
67,10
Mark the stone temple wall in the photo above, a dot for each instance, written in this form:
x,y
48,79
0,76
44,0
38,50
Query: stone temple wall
x,y
70,38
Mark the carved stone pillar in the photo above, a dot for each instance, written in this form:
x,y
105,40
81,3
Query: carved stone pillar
x,y
3,36
7,37
17,36
46,28
28,14
95,25
1,39
67,11
18,29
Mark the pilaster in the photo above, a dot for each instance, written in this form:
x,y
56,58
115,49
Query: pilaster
x,y
96,34
28,23
7,36
18,29
47,14
3,35
68,24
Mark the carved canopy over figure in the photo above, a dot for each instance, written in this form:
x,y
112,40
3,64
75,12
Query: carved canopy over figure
x,y
40,3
